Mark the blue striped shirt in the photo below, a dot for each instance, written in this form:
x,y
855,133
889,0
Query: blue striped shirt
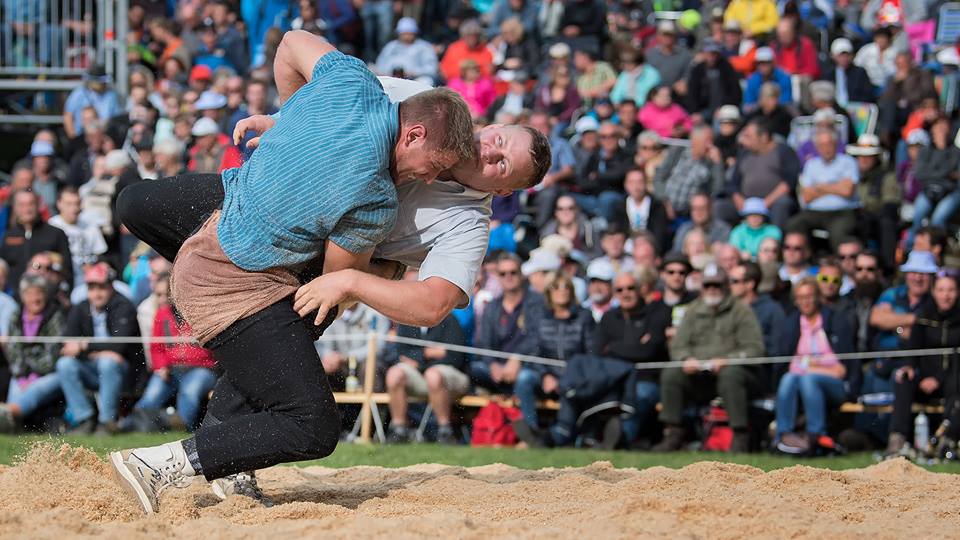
x,y
322,172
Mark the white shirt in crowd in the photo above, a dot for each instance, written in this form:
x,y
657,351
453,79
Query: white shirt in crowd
x,y
86,243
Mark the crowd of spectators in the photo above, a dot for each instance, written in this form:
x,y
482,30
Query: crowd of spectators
x,y
728,181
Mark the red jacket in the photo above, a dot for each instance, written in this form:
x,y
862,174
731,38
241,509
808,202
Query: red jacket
x,y
165,355
799,58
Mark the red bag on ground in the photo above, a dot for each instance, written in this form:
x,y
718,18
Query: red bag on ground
x,y
492,426
718,435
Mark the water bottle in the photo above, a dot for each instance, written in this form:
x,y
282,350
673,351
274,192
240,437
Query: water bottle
x,y
921,432
352,382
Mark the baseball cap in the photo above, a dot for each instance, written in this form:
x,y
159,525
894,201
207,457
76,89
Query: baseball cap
x,y
407,25
728,113
754,206
600,270
764,54
204,126
97,273
201,72
713,274
559,50
585,124
41,148
210,100
666,27
841,45
541,260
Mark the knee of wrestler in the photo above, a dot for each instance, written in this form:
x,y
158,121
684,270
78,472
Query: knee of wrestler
x,y
321,431
128,205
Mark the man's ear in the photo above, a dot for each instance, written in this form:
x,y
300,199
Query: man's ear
x,y
415,135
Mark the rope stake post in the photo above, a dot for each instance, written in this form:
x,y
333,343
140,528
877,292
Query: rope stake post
x,y
369,373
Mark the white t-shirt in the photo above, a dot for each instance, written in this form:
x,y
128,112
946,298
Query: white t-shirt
x,y
442,228
86,243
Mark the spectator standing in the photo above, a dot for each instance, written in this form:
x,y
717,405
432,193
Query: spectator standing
x,y
179,369
33,382
98,366
716,328
828,191
814,334
926,377
29,235
431,371
408,56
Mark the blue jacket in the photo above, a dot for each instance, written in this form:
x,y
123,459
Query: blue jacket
x,y
752,93
531,310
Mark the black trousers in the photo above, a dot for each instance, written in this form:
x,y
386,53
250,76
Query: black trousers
x,y
272,402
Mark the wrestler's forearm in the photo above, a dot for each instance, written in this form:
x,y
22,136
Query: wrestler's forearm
x,y
416,303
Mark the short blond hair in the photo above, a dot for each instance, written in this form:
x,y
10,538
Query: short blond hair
x,y
447,119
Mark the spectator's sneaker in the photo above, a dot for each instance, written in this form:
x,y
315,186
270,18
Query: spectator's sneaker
x,y
244,484
612,431
8,422
87,427
446,435
146,473
398,434
672,440
106,430
740,443
534,438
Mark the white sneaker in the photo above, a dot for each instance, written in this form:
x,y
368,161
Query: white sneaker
x,y
146,472
244,483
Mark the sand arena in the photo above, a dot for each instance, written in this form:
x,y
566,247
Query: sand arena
x,y
63,492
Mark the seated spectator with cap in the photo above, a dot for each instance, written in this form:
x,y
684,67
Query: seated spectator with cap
x,y
213,105
753,230
600,299
642,211
767,71
715,329
47,179
675,295
827,191
537,269
212,151
408,56
103,367
852,82
729,120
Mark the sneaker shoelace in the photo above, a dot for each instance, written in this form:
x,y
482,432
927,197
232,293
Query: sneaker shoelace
x,y
165,476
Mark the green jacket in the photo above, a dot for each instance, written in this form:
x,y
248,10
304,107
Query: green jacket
x,y
729,330
39,358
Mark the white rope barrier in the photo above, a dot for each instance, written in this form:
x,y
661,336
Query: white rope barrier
x,y
530,359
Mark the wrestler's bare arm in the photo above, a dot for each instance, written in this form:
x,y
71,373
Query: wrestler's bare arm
x,y
296,57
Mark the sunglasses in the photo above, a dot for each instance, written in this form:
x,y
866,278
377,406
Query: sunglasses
x,y
713,285
675,272
790,247
866,269
631,288
849,256
509,273
834,280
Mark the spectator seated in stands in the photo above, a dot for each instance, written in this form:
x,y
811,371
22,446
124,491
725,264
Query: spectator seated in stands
x,y
212,151
477,90
348,339
674,293
28,235
879,195
745,280
827,191
829,283
756,17
560,176
769,108
814,335
600,274
765,168
85,239
716,328
661,115
824,119
767,72
687,171
852,82
103,367
508,324
642,211
671,59
573,225
702,219
34,383
794,52
613,242
408,56
469,46
753,230
513,105
595,78
938,172
712,83
928,377
636,79
796,257
433,372
180,370
599,186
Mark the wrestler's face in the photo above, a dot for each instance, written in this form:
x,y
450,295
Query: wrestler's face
x,y
414,162
505,160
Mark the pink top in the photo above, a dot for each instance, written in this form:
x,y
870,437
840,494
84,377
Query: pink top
x,y
479,94
663,120
813,343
